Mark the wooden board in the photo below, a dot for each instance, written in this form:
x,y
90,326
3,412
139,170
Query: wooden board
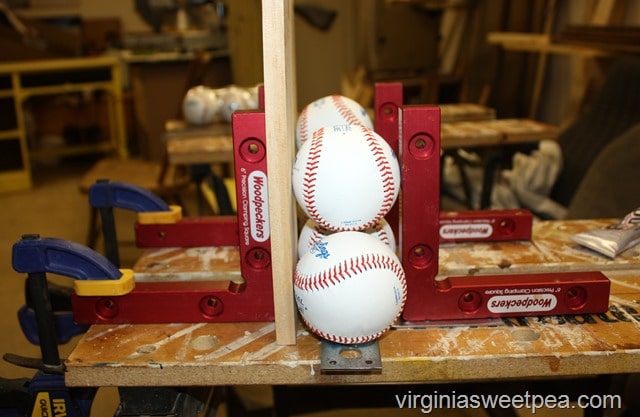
x,y
248,353
200,150
280,108
199,146
495,132
188,144
179,128
465,112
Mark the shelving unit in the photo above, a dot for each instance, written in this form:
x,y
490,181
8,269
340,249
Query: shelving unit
x,y
20,81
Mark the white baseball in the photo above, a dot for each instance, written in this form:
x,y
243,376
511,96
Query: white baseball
x,y
311,233
349,288
200,105
346,177
328,111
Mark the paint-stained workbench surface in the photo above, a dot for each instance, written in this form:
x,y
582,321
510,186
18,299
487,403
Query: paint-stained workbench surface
x,y
551,249
247,353
189,264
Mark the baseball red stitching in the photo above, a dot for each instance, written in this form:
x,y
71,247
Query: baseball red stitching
x,y
304,125
346,340
346,269
386,174
382,234
316,235
345,111
310,177
342,271
310,174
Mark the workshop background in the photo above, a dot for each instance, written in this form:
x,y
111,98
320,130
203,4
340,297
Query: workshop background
x,y
444,51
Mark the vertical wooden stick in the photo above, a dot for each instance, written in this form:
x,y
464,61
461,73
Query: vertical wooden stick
x,y
280,111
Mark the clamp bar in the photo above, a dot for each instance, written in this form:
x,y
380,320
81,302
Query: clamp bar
x,y
40,299
105,193
94,273
65,325
35,257
58,256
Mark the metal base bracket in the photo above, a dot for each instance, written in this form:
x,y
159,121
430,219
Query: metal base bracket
x,y
357,358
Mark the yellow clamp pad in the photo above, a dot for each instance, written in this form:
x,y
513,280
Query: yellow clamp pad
x,y
161,217
120,286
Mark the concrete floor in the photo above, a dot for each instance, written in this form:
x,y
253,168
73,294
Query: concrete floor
x,y
56,208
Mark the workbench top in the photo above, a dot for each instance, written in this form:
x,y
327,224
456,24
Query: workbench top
x,y
247,353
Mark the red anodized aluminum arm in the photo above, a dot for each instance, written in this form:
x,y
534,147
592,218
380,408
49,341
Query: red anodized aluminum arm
x,y
189,232
199,301
420,205
496,225
465,297
490,225
388,99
